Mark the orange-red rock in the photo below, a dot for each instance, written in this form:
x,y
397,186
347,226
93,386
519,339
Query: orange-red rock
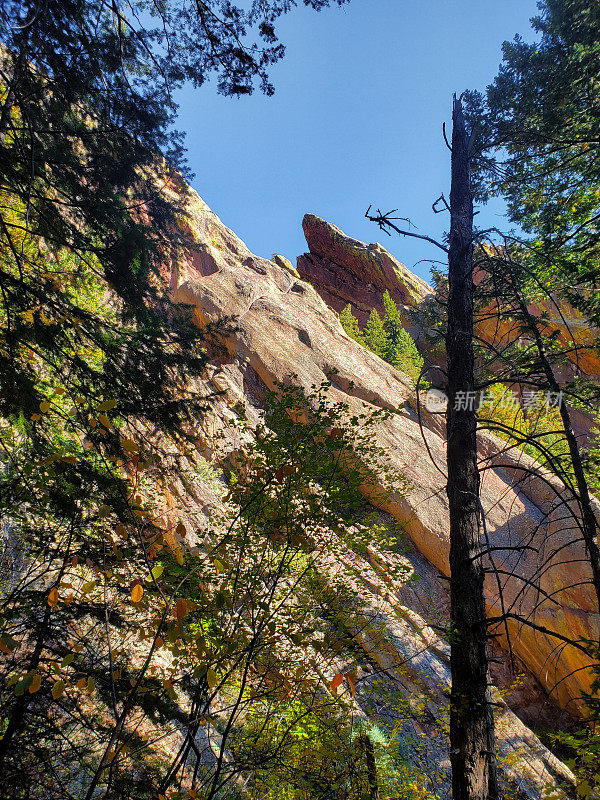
x,y
345,271
283,327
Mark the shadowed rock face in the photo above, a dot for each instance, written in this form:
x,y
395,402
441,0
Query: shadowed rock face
x,y
283,327
345,271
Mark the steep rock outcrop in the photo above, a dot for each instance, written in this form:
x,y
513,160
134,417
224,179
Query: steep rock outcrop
x,y
345,271
283,328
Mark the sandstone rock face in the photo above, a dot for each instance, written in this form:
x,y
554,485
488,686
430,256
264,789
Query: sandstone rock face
x,y
284,331
560,319
345,271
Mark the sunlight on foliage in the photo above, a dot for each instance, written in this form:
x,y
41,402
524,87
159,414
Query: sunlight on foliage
x,y
386,337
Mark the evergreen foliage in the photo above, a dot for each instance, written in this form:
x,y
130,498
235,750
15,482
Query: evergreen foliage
x,y
537,136
375,335
402,351
350,325
537,147
386,337
544,128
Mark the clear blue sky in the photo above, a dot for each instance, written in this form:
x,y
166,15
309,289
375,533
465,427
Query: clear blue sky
x,y
356,119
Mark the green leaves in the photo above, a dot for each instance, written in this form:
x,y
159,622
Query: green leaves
x,y
375,335
386,337
58,689
350,325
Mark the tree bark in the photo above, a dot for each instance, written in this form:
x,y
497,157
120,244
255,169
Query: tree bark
x,y
366,746
471,717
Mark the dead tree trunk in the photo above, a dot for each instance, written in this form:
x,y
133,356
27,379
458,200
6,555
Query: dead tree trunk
x,y
366,745
471,718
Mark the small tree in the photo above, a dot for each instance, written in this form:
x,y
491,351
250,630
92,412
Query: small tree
x,y
350,325
387,338
375,335
402,351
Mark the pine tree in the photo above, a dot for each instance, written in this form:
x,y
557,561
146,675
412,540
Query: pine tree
x,y
539,126
350,325
393,326
375,335
537,139
401,351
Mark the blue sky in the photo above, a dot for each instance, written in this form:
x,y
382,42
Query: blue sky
x,y
356,119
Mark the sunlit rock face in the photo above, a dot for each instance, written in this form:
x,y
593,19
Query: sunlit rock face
x,y
283,330
346,271
557,318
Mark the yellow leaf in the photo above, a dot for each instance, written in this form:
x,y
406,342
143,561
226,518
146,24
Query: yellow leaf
x,y
107,405
130,445
218,566
136,593
211,678
91,685
104,420
58,690
53,597
35,684
44,406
